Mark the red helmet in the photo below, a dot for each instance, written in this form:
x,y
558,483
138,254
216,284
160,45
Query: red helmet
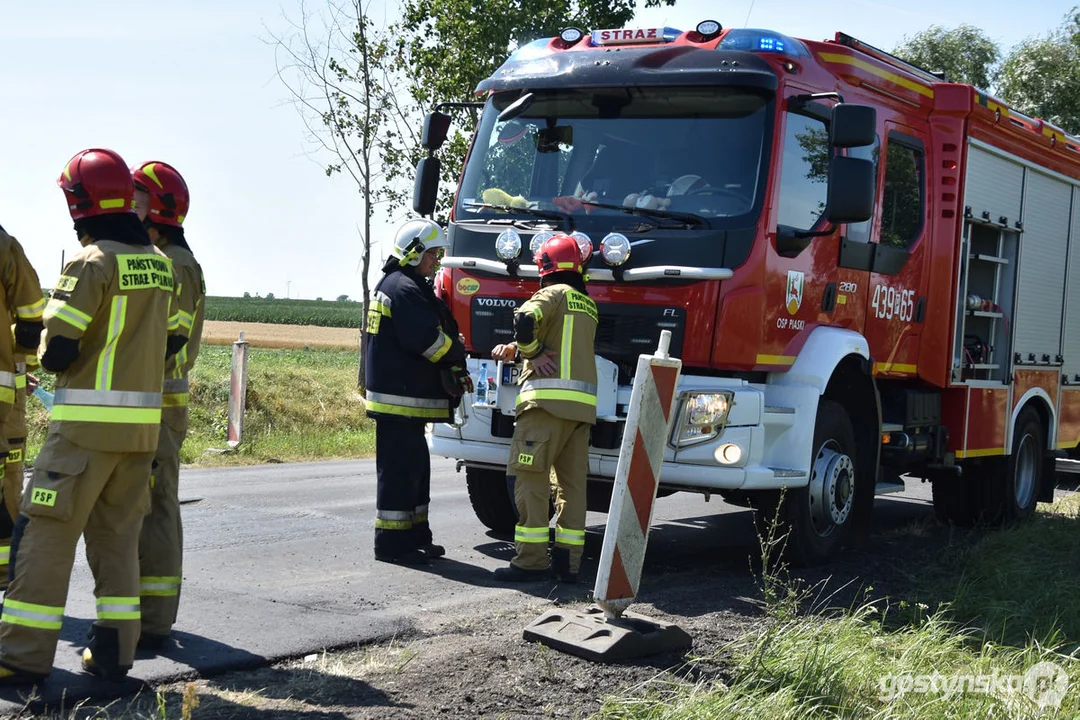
x,y
169,199
97,182
558,253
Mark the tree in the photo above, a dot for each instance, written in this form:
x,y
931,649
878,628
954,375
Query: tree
x,y
318,299
1041,77
454,44
343,298
247,296
344,72
965,54
269,296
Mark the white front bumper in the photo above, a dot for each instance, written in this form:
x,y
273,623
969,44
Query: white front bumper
x,y
773,425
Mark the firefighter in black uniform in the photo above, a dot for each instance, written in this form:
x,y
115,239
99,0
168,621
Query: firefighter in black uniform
x,y
414,373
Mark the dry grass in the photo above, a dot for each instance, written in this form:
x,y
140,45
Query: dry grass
x,y
267,335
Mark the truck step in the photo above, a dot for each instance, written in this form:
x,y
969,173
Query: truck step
x,y
778,410
787,473
887,488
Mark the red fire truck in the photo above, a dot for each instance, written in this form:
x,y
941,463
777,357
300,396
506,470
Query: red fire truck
x,y
868,272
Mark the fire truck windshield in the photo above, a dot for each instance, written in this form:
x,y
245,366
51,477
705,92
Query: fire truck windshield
x,y
694,152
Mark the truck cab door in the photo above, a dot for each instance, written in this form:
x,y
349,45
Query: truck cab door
x,y
896,251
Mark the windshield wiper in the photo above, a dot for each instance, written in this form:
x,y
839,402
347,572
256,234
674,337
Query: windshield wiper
x,y
535,212
688,219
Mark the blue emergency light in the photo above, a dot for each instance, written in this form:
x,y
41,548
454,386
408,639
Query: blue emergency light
x,y
756,40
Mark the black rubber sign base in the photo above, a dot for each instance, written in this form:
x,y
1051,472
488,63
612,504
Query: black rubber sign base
x,y
590,635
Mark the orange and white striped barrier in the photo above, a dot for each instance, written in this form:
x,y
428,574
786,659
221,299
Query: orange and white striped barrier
x,y
648,423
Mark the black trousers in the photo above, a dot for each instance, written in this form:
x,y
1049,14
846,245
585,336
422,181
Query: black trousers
x,y
403,465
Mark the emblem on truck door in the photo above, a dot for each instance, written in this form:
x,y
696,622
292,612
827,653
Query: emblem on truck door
x,y
793,300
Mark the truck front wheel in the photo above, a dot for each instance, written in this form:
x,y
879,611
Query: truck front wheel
x,y
817,518
490,498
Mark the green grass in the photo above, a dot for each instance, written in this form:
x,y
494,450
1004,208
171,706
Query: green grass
x,y
301,405
1008,601
323,313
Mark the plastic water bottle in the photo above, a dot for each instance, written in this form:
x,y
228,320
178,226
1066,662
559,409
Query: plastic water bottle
x,y
482,387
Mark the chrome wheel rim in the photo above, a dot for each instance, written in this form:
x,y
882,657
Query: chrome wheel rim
x,y
832,488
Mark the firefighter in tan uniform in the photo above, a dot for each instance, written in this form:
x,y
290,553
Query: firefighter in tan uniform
x,y
106,336
23,304
162,201
14,430
555,332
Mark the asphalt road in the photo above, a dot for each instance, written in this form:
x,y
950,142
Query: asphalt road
x,y
278,563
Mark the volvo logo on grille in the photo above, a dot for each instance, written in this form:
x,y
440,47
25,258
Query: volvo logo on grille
x,y
496,302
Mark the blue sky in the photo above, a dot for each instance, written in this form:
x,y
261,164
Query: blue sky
x,y
194,84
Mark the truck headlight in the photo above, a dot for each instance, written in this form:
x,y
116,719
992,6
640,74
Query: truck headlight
x,y
702,417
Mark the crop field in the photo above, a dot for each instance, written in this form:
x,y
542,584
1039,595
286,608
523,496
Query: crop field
x,y
274,335
321,313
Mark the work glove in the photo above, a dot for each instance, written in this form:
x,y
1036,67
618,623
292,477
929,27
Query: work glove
x,y
456,381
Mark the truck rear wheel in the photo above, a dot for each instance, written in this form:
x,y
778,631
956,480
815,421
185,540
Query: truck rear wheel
x,y
818,517
490,498
1015,480
954,500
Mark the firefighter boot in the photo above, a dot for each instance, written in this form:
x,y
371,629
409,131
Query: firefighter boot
x,y
10,677
560,564
102,654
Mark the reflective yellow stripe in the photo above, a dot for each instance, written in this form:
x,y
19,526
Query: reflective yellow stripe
x,y
72,316
393,524
95,413
174,322
837,58
110,203
158,586
174,400
7,395
531,534
31,312
42,617
567,343
566,395
389,409
20,382
118,608
438,348
5,554
106,360
186,320
569,537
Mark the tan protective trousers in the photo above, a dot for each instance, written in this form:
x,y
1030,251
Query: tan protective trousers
x,y
11,486
543,442
161,543
75,491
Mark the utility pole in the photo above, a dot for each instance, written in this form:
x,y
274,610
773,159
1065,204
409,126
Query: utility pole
x,y
288,284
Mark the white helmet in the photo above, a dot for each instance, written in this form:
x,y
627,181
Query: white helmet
x,y
417,237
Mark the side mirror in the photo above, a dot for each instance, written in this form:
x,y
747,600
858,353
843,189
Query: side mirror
x,y
852,126
851,190
436,126
426,187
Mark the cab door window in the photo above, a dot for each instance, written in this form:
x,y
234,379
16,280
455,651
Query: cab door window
x,y
804,173
902,206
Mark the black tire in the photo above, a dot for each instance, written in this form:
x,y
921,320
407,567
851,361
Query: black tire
x,y
490,498
1014,483
955,500
817,522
